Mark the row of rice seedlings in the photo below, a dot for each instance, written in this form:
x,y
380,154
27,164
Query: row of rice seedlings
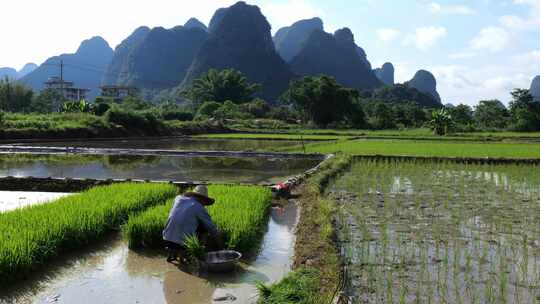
x,y
32,235
446,232
240,212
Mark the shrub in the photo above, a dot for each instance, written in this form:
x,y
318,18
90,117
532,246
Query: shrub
x,y
101,108
173,114
207,109
145,121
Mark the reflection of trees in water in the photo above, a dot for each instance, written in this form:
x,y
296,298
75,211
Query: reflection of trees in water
x,y
10,160
129,161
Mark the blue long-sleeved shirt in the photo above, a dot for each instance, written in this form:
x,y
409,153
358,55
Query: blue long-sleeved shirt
x,y
185,217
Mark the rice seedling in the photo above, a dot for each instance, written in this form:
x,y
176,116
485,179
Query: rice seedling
x,y
464,233
240,212
32,235
194,248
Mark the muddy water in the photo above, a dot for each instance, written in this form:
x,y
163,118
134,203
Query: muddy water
x,y
180,144
11,200
209,169
114,274
440,233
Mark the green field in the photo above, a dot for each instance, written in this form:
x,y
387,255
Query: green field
x,y
425,148
240,212
421,133
32,235
276,136
440,232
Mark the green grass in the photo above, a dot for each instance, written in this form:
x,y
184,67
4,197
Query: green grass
x,y
419,133
240,212
278,136
298,287
425,148
32,235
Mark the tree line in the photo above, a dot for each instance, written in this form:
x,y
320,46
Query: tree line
x,y
316,101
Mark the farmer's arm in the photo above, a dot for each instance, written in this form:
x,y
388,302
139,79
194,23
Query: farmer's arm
x,y
205,220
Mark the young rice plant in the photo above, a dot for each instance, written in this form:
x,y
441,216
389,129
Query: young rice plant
x,y
240,212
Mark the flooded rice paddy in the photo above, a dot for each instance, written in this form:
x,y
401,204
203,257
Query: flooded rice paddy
x,y
255,170
11,200
174,143
111,273
440,232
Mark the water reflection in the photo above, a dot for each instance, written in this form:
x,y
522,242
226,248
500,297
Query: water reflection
x,y
211,169
180,144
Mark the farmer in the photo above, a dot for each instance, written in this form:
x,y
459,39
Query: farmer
x,y
189,217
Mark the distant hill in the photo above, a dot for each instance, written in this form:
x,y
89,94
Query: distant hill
x,y
14,74
118,69
216,19
156,59
10,73
85,68
425,82
363,56
535,88
289,40
240,38
337,56
402,93
195,23
27,69
385,73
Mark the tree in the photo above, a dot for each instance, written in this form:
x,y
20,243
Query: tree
x,y
14,96
47,101
220,86
207,109
409,114
491,114
321,99
441,122
462,115
524,111
134,103
382,117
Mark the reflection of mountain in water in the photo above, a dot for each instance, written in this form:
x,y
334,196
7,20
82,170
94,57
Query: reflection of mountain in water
x,y
209,169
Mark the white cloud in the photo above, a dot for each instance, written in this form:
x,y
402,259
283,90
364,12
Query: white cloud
x,y
462,55
62,32
458,9
387,34
492,38
426,37
462,83
530,22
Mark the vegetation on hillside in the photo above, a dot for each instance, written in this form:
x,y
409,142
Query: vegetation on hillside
x,y
226,97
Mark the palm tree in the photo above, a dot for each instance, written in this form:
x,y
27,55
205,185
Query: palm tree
x,y
221,86
441,122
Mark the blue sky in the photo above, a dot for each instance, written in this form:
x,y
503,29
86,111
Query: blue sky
x,y
477,49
